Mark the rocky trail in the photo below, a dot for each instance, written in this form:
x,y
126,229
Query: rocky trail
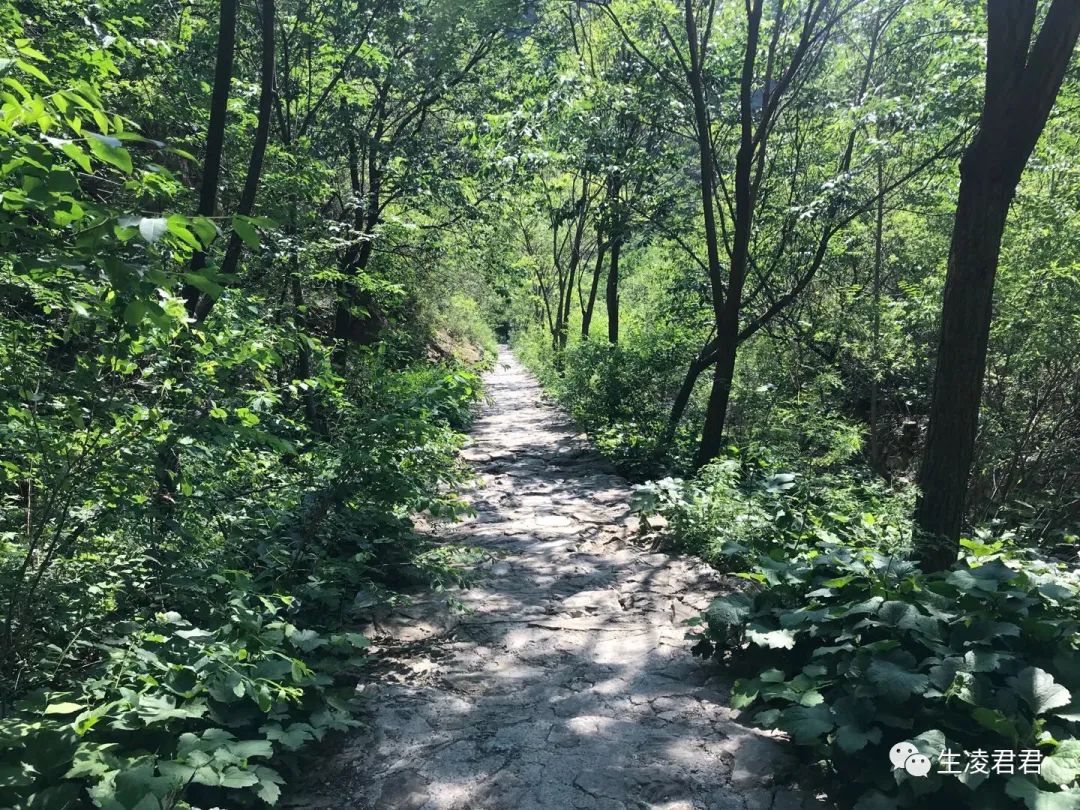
x,y
566,683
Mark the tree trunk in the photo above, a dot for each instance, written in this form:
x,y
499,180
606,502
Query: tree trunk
x,y
598,268
258,151
879,223
347,327
1020,91
566,295
612,297
727,308
215,136
704,359
712,432
303,355
965,329
705,160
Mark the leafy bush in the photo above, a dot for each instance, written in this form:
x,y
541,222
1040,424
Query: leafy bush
x,y
619,394
146,459
743,502
175,710
162,674
851,651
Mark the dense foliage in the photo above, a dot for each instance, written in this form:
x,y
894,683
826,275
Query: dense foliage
x,y
201,502
801,264
854,649
254,256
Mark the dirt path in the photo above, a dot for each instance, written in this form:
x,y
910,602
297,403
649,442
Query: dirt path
x,y
568,684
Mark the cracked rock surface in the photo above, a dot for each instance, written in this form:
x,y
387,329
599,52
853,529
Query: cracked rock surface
x,y
567,683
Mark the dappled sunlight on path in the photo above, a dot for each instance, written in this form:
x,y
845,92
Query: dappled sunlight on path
x,y
567,683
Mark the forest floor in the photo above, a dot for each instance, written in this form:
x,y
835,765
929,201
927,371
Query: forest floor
x,y
566,682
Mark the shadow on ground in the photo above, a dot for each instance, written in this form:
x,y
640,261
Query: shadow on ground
x,y
567,682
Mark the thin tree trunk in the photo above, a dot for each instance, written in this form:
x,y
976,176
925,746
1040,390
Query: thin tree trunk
x,y
366,220
704,359
258,152
566,286
215,136
598,269
560,325
879,221
705,160
612,297
727,308
303,357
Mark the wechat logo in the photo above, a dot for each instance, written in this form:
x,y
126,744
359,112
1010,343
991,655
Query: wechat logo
x,y
905,755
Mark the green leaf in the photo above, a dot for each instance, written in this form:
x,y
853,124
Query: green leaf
x,y
135,312
983,660
110,151
853,738
292,738
63,708
1034,799
744,693
246,231
358,640
730,610
1063,765
178,226
269,780
966,583
767,718
77,154
907,617
1039,690
306,640
33,70
203,283
895,681
249,749
931,743
1056,592
995,720
806,724
234,777
811,697
205,229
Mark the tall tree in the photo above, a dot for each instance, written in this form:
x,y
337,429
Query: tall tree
x,y
215,136
391,129
754,212
1022,82
258,151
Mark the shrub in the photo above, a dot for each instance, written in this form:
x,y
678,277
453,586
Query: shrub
x,y
742,503
144,669
851,651
621,395
176,714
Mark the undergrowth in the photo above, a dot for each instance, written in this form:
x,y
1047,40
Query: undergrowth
x,y
848,648
179,654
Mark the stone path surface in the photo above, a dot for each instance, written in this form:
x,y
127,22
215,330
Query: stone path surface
x,y
567,683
